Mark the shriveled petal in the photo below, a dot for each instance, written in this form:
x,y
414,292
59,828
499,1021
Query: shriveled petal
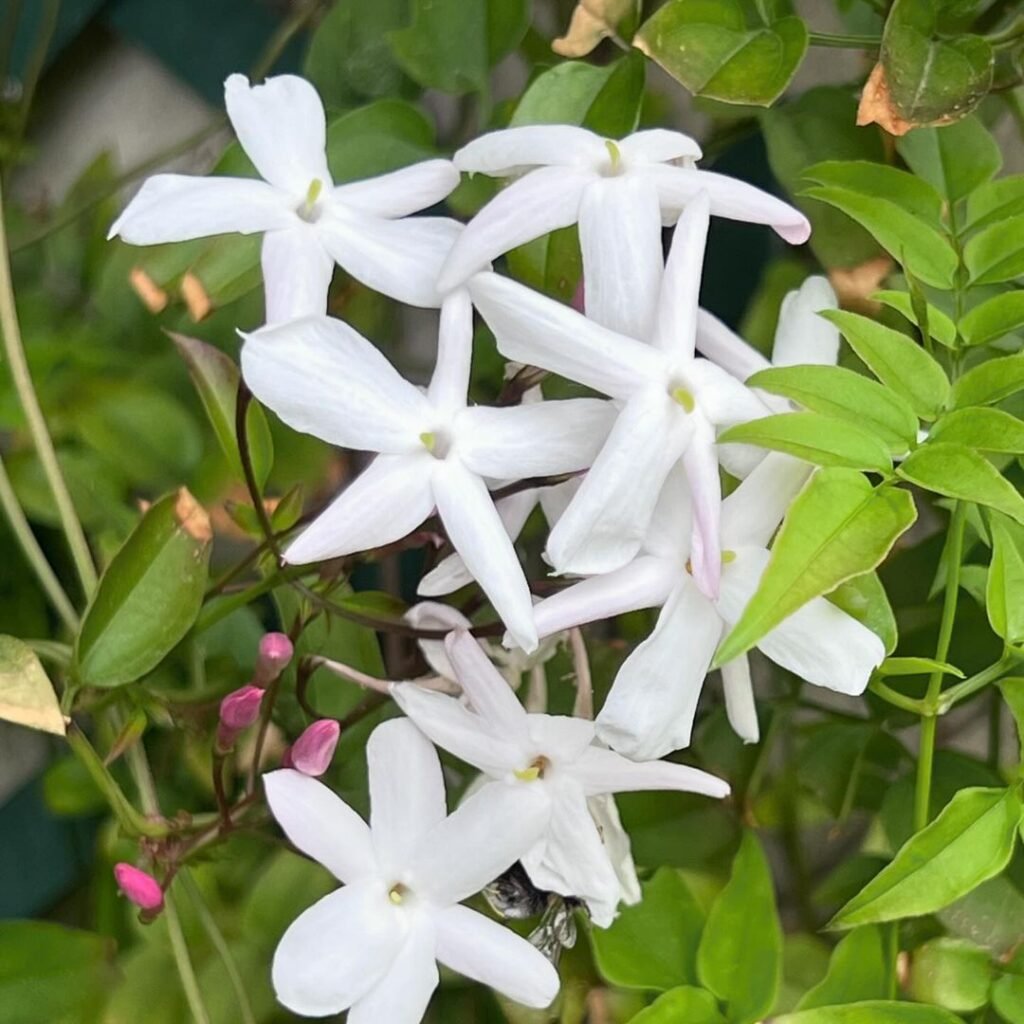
x,y
739,699
543,439
604,771
721,397
533,329
177,207
485,687
282,127
398,258
434,615
297,272
620,238
650,709
407,797
320,824
729,198
802,336
726,348
402,192
752,513
644,582
700,460
337,950
659,145
402,995
477,533
676,323
513,150
389,499
543,201
449,383
617,843
487,952
605,523
324,378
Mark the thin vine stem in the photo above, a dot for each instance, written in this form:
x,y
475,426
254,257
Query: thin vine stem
x,y
843,41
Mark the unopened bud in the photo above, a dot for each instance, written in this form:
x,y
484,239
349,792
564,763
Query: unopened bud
x,y
142,889
311,753
276,651
238,710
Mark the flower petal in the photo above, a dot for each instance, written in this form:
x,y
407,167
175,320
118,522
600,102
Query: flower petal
x,y
726,348
282,127
670,533
297,273
485,688
561,737
659,145
604,771
477,533
752,513
620,237
700,461
320,824
513,150
389,499
739,699
177,207
802,336
337,951
449,384
617,844
676,323
402,192
721,397
536,330
650,709
487,952
402,995
323,378
434,615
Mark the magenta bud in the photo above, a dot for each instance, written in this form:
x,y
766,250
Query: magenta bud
x,y
311,753
276,650
240,708
143,890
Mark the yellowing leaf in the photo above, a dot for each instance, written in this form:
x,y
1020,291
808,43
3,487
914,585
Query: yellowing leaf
x,y
26,696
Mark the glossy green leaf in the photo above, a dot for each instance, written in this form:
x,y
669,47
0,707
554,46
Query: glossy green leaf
x,y
711,48
940,327
981,428
1004,596
740,955
864,598
693,1005
1008,998
1012,690
955,159
838,527
952,973
996,253
993,319
896,360
26,693
149,595
380,137
968,843
995,200
910,193
859,969
917,667
990,382
871,1012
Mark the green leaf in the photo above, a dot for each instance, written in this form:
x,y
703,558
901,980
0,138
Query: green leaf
x,y
896,360
995,200
380,137
740,955
816,438
968,843
1008,998
990,382
693,1005
26,694
869,178
917,667
996,253
993,319
838,527
1012,690
215,377
1004,596
149,595
952,973
956,159
940,327
864,599
652,945
70,791
989,916
871,1012
838,392
711,48
959,472
981,428
858,970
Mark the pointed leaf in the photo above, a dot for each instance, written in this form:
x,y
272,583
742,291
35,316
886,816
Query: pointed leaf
x,y
994,201
996,253
913,194
693,1005
1004,596
955,159
917,667
864,599
940,327
993,319
26,694
860,969
990,382
981,428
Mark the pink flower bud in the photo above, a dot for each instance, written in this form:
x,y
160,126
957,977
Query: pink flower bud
x,y
311,753
276,651
143,890
240,708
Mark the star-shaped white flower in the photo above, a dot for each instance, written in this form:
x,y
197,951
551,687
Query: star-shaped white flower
x,y
323,378
620,193
552,755
671,404
308,223
373,945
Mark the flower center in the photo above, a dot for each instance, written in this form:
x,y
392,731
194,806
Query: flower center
x,y
308,210
437,442
534,771
614,165
727,557
397,893
684,396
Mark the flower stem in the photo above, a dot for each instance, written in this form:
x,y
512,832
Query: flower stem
x,y
844,42
186,971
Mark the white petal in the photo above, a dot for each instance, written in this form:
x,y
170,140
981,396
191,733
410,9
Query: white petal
x,y
729,198
620,237
644,582
402,192
477,533
523,441
485,687
434,615
389,499
402,995
739,699
562,738
604,771
659,145
752,513
700,461
726,348
650,709
398,258
282,128
297,272
320,824
337,950
676,324
555,500
487,952
177,207
721,397
605,523
802,336
617,844
324,378
668,536
449,383
541,202
512,150
533,329
483,837
407,797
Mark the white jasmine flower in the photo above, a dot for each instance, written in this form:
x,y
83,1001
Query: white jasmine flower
x,y
554,756
323,378
308,223
670,406
372,947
